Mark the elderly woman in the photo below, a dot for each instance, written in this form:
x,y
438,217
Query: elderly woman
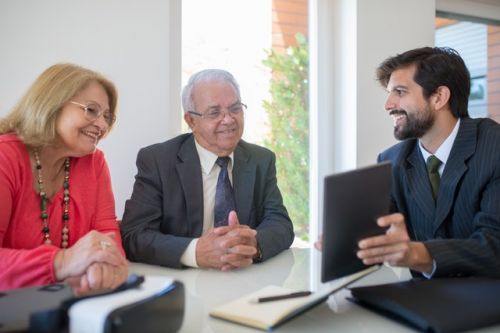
x,y
57,216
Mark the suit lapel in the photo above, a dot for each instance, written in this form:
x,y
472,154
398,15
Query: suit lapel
x,y
463,147
189,171
243,183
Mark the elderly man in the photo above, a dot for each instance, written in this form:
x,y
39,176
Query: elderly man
x,y
206,199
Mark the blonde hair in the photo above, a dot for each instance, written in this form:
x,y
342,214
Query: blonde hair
x,y
34,117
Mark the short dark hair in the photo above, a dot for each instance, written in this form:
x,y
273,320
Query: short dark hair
x,y
435,67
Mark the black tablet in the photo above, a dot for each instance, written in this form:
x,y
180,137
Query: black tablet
x,y
353,201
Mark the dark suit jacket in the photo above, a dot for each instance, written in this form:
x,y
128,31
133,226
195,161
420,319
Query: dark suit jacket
x,y
165,211
462,230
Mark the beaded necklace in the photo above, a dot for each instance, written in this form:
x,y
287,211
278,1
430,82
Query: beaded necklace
x,y
43,202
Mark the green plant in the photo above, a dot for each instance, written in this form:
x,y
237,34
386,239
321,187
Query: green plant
x,y
288,115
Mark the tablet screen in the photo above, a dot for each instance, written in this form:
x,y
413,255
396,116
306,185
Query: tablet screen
x,y
353,201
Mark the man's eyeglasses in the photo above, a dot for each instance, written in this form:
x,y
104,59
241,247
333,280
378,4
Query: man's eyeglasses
x,y
93,111
216,113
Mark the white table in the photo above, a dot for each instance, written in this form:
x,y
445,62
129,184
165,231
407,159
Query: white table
x,y
295,268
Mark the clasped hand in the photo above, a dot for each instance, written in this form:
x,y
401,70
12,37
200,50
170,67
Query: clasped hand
x,y
93,263
227,247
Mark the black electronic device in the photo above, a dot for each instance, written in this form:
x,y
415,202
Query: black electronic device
x,y
353,201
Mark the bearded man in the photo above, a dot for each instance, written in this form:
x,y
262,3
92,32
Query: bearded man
x,y
445,206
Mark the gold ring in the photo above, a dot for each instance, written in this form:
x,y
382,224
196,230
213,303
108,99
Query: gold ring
x,y
105,245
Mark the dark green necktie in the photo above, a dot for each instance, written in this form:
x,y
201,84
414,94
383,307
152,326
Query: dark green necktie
x,y
433,164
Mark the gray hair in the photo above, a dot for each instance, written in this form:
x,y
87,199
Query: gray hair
x,y
206,75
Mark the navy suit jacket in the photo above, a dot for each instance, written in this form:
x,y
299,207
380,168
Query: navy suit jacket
x,y
462,229
165,211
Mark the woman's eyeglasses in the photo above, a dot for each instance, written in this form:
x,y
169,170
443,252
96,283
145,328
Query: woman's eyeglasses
x,y
93,111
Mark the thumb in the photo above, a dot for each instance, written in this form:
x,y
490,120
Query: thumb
x,y
233,219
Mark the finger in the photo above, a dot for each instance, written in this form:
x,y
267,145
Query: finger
x,y
95,241
373,261
108,276
115,276
229,242
388,220
84,283
243,250
394,259
121,275
373,241
109,245
236,260
110,238
82,286
94,276
390,254
392,236
219,231
376,252
232,220
242,232
96,238
74,283
227,267
105,256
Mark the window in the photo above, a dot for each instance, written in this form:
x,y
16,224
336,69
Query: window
x,y
479,45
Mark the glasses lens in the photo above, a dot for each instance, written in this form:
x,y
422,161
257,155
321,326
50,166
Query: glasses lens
x,y
92,111
214,114
236,109
218,114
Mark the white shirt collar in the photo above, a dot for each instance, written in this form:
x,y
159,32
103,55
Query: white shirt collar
x,y
443,152
207,158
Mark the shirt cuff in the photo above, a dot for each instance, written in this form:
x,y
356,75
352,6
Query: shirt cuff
x,y
188,258
429,275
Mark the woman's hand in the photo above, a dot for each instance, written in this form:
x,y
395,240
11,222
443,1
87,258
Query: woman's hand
x,y
93,248
99,277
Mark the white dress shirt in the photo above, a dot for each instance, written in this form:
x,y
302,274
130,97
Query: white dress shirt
x,y
210,173
443,152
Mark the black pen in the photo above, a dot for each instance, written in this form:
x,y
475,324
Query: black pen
x,y
285,296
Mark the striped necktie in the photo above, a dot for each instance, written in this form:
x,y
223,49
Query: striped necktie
x,y
224,196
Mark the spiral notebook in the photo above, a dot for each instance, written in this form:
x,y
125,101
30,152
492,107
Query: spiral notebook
x,y
267,316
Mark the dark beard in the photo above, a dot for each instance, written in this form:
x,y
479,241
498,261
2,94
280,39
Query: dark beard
x,y
416,124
